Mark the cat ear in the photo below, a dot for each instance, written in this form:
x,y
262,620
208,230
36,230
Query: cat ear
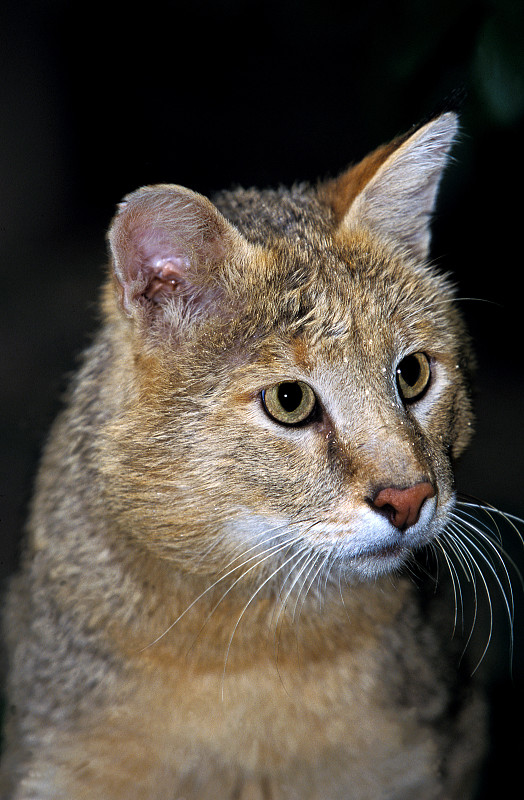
x,y
165,242
393,191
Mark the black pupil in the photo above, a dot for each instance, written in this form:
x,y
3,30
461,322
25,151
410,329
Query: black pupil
x,y
289,396
410,370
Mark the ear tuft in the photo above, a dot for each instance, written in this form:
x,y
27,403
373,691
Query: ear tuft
x,y
393,191
165,240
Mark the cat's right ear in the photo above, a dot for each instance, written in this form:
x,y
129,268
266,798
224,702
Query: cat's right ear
x,y
392,192
167,244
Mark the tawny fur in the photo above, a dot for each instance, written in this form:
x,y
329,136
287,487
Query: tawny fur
x,y
207,606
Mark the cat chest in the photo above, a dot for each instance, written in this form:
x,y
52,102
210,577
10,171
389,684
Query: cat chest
x,y
328,722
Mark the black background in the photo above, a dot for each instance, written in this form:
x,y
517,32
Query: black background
x,y
97,99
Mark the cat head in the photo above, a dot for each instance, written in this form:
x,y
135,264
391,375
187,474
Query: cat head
x,y
299,372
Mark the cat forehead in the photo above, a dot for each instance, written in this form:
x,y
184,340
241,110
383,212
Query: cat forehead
x,y
268,215
329,284
305,251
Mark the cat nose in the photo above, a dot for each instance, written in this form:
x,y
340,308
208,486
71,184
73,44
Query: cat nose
x,y
402,506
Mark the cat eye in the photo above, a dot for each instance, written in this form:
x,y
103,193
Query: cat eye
x,y
289,402
413,376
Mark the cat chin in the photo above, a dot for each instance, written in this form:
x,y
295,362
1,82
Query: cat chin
x,y
379,548
381,562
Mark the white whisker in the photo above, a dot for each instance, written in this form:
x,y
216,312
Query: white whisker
x,y
301,594
303,555
271,550
469,567
508,601
491,512
268,553
262,585
455,581
323,558
306,557
476,545
495,549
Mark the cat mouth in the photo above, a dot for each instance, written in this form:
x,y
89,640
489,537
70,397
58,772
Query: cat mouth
x,y
392,550
381,559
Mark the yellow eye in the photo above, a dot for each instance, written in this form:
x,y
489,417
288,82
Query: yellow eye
x,y
413,376
289,402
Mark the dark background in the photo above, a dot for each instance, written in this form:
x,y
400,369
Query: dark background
x,y
99,98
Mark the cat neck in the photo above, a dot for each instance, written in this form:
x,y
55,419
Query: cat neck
x,y
207,622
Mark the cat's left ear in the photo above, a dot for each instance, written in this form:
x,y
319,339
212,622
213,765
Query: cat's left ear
x,y
168,245
392,192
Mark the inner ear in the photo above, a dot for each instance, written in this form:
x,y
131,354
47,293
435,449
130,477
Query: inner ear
x,y
155,261
166,241
167,275
392,192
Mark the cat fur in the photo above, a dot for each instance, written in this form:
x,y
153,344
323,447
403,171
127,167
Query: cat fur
x,y
208,605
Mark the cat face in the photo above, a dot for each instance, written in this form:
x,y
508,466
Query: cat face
x,y
304,369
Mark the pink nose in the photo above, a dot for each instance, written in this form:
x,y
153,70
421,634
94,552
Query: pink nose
x,y
402,506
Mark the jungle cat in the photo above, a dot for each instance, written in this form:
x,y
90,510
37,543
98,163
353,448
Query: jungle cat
x,y
216,600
